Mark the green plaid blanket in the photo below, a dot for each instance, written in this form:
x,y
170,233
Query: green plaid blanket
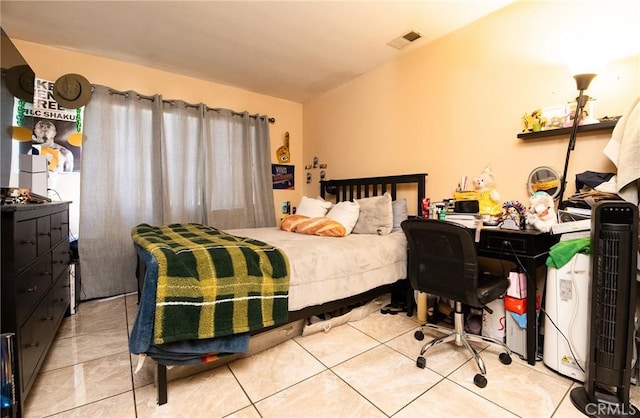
x,y
212,284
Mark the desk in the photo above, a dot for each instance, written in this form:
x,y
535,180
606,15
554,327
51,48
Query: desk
x,y
532,248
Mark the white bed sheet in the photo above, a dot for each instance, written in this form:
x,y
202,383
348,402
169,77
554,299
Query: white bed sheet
x,y
324,269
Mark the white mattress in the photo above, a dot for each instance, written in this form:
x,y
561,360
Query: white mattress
x,y
329,268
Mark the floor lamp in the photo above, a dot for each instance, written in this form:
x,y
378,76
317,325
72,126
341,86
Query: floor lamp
x,y
582,82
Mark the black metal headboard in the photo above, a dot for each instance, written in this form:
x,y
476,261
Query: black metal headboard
x,y
349,189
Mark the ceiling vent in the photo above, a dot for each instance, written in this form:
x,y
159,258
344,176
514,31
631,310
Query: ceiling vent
x,y
404,40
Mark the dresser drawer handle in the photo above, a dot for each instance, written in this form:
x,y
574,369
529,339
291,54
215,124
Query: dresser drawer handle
x,y
32,242
57,228
32,289
49,318
46,234
46,273
36,344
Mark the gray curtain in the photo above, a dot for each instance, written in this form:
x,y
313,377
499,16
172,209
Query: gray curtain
x,y
237,167
182,163
146,160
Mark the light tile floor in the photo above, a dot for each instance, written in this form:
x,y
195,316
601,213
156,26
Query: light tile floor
x,y
364,368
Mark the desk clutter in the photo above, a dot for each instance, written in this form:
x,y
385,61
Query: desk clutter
x,y
538,227
585,305
482,205
478,203
579,316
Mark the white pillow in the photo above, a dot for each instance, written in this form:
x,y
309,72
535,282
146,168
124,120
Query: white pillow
x,y
313,208
376,215
346,213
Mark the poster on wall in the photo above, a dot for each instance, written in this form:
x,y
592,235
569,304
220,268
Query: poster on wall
x,y
21,133
57,131
282,176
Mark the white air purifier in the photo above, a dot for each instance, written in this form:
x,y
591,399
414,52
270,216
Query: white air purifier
x,y
567,305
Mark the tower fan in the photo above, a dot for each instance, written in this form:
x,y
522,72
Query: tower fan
x,y
614,244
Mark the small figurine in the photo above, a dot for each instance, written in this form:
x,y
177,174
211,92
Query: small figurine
x,y
541,214
514,216
489,201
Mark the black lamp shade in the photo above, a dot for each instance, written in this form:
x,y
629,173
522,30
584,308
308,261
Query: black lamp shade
x,y
583,80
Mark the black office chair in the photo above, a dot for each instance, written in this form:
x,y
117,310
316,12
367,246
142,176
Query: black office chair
x,y
442,261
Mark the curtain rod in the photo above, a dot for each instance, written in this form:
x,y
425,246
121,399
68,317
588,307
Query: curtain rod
x,y
172,102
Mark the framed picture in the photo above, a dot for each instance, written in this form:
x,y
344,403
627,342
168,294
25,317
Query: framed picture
x,y
282,176
555,116
588,115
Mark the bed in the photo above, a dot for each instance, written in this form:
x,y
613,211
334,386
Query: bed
x,y
362,267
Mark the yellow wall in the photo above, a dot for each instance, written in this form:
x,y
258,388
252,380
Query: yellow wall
x,y
454,106
50,63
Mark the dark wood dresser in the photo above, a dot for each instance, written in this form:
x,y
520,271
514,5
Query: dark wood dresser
x,y
35,283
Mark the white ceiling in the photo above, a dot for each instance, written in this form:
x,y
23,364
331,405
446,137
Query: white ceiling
x,y
294,50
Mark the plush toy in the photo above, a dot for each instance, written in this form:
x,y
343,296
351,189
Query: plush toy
x,y
542,213
489,200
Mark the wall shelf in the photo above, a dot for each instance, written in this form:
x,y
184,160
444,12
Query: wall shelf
x,y
601,126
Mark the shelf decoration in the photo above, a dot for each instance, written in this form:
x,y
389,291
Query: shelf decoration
x,y
315,165
534,121
555,115
603,125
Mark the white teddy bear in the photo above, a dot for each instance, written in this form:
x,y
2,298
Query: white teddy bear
x,y
541,213
489,198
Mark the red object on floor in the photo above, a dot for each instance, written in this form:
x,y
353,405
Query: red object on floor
x,y
518,306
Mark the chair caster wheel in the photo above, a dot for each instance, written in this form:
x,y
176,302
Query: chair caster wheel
x,y
419,335
480,381
505,358
422,362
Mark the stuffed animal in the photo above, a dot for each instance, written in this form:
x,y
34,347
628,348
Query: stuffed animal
x,y
541,213
489,200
